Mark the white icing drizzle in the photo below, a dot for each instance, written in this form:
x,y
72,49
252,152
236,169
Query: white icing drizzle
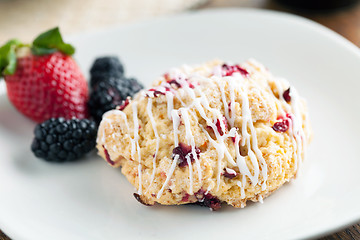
x,y
261,199
246,136
208,189
190,174
241,163
220,146
136,140
296,131
231,104
226,105
109,121
191,141
241,188
230,171
103,134
249,138
170,103
176,123
153,123
201,103
168,175
247,122
243,179
217,71
231,120
221,150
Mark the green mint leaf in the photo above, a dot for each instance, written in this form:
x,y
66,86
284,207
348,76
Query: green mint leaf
x,y
52,41
8,57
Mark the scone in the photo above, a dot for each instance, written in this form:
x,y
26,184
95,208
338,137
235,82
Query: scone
x,y
208,134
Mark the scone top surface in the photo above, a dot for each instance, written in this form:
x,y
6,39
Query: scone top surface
x,y
212,133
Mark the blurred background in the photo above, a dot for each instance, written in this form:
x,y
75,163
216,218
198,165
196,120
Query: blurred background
x,y
24,19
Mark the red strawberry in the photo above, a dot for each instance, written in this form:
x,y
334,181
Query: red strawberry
x,y
45,82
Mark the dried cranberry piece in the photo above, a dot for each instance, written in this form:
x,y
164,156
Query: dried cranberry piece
x,y
176,83
200,194
229,173
229,106
157,93
218,125
228,70
207,200
282,125
182,151
242,71
212,202
124,104
138,198
107,156
286,95
185,198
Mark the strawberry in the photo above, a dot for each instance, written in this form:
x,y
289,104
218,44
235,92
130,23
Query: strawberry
x,y
43,81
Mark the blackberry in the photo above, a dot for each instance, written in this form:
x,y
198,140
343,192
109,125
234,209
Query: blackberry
x,y
104,68
60,140
109,94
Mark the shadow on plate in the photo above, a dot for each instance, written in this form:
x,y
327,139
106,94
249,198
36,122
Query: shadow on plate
x,y
25,162
12,121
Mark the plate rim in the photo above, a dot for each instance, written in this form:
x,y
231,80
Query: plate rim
x,y
339,39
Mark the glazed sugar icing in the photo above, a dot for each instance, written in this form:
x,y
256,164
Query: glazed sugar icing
x,y
221,126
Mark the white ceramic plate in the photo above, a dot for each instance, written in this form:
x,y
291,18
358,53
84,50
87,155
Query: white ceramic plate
x,y
90,200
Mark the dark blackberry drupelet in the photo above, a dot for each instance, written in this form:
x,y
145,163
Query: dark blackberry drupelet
x,y
60,140
109,94
104,68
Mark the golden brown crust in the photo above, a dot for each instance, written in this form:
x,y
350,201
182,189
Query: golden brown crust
x,y
277,148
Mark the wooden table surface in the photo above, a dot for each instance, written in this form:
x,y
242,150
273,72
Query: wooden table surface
x,y
345,21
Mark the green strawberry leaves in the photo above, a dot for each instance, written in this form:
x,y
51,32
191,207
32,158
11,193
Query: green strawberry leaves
x,y
8,57
50,42
46,43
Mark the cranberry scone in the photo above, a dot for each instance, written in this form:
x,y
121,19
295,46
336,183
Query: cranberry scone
x,y
208,134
